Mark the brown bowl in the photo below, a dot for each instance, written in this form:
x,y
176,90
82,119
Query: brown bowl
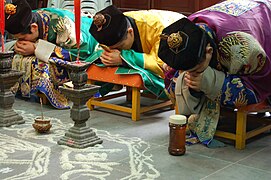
x,y
42,125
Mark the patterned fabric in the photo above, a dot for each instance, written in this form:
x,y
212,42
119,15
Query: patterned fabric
x,y
23,64
255,22
238,53
235,94
203,126
209,31
42,77
234,7
241,54
170,83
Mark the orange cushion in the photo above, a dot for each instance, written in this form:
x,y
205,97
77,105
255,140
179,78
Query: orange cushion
x,y
107,74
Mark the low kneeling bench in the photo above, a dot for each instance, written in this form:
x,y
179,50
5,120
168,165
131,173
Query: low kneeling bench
x,y
134,85
241,134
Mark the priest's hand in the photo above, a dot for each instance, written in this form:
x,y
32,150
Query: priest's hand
x,y
193,80
166,67
24,48
111,58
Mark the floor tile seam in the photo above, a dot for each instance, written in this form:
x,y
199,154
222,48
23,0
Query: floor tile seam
x,y
214,158
165,145
262,170
234,163
121,160
238,162
260,150
160,145
247,166
217,171
126,115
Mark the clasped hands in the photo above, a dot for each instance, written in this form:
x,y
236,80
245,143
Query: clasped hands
x,y
111,58
24,48
193,77
193,80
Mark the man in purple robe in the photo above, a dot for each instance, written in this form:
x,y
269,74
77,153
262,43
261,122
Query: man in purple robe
x,y
224,54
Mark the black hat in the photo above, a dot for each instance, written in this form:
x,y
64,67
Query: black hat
x,y
182,45
18,16
109,26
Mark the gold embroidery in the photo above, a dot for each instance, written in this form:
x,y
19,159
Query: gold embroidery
x,y
227,94
242,100
60,26
234,51
58,52
174,40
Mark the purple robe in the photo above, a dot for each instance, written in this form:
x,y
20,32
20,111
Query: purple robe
x,y
252,17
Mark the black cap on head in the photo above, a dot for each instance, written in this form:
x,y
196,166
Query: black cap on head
x,y
18,16
109,26
182,45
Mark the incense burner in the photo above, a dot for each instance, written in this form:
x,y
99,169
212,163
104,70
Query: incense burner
x,y
42,125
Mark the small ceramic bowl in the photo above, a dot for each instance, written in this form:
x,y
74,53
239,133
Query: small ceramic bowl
x,y
42,125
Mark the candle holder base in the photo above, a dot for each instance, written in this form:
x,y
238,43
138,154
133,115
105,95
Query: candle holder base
x,y
80,137
10,117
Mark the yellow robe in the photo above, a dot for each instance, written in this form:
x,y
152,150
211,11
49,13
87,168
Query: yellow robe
x,y
150,24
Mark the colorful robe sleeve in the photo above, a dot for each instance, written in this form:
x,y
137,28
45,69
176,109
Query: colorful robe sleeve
x,y
61,32
241,54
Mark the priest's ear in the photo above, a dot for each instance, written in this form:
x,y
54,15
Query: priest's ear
x,y
130,30
34,27
209,52
209,49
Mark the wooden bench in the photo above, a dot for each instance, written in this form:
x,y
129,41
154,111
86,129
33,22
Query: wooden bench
x,y
134,85
242,134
